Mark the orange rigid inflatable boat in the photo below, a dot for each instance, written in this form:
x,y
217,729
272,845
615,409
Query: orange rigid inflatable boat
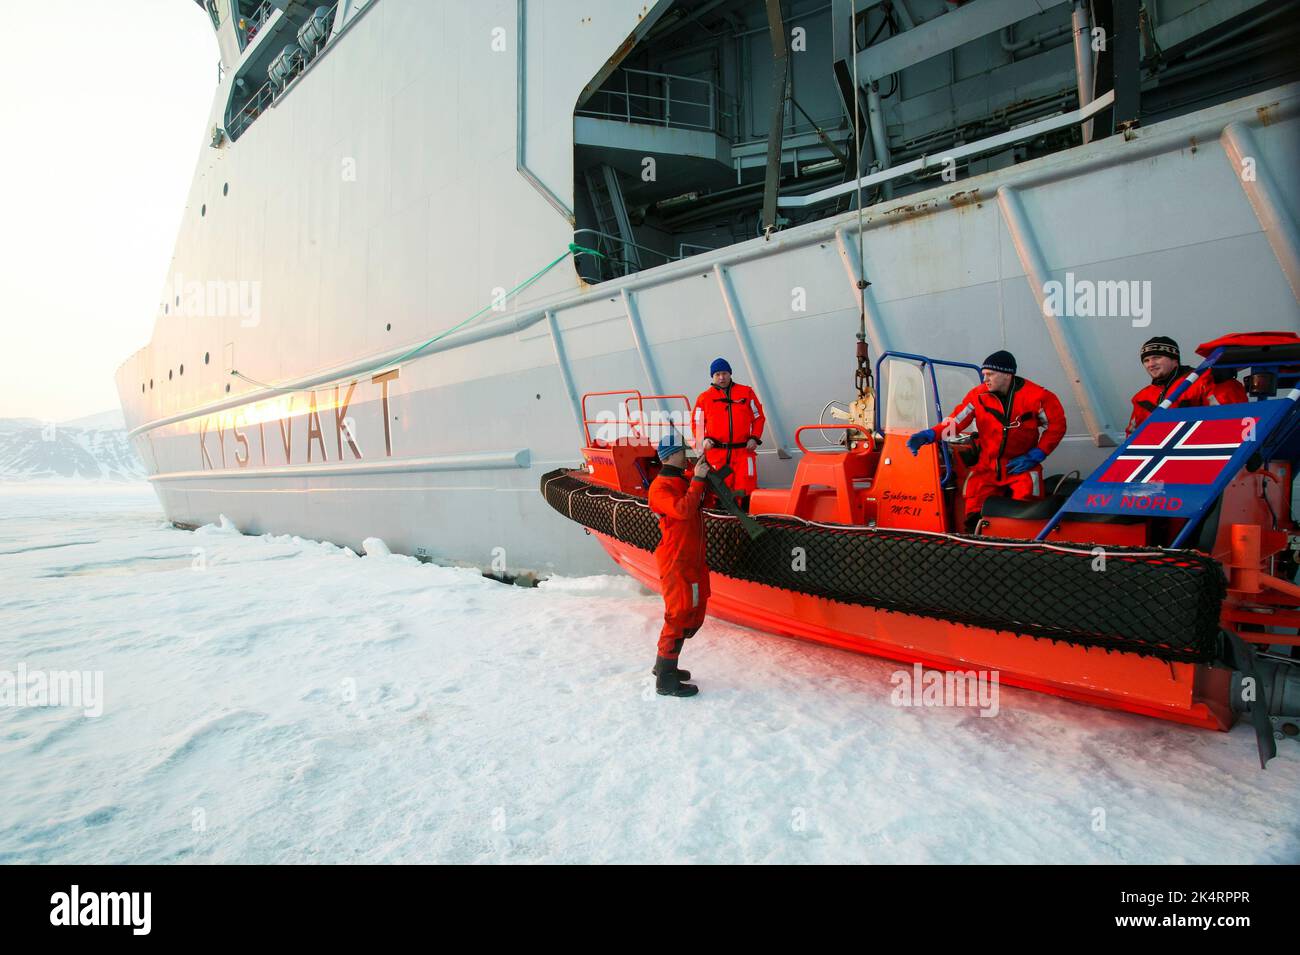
x,y
1162,584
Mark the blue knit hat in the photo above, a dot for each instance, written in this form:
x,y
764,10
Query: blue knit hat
x,y
719,364
1002,361
670,444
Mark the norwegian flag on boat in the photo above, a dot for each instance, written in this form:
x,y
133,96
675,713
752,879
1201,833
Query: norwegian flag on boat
x,y
1179,461
1181,452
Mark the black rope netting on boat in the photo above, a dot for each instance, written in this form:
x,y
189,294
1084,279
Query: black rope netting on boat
x,y
1147,601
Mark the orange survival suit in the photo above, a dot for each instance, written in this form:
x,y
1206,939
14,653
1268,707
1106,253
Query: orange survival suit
x,y
730,417
1028,417
683,571
1205,390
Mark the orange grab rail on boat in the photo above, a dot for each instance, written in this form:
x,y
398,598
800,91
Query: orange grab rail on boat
x,y
859,449
588,421
640,418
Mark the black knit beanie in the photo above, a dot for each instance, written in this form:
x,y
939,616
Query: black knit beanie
x,y
1160,345
1002,361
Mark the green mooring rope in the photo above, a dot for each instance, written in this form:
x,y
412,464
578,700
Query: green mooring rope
x,y
573,249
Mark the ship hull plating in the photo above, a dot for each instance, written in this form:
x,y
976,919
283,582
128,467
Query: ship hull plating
x,y
369,215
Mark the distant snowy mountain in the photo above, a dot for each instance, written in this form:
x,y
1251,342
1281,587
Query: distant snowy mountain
x,y
17,424
104,421
94,448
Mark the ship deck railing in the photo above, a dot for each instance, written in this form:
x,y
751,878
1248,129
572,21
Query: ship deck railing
x,y
257,103
251,24
617,261
664,99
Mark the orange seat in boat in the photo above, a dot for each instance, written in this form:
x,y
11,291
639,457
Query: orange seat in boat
x,y
828,486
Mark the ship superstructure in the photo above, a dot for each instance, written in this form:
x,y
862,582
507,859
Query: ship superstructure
x,y
372,325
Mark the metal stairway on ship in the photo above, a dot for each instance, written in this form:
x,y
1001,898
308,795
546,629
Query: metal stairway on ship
x,y
612,221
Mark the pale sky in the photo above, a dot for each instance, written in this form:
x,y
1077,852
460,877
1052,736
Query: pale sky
x,y
102,113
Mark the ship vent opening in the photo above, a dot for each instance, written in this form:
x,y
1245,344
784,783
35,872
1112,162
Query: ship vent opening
x,y
671,142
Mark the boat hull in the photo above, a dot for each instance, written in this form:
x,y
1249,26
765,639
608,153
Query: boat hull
x,y
1181,692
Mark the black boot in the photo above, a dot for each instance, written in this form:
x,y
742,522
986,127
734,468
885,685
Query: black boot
x,y
668,682
662,664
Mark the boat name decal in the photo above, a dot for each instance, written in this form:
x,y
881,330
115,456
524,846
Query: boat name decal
x,y
910,508
236,424
1138,502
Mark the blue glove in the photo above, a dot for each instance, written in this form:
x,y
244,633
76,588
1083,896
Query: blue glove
x,y
919,440
1026,461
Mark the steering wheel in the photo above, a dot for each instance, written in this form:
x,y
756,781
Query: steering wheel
x,y
821,419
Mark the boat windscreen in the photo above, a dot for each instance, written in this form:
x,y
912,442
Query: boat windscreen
x,y
905,395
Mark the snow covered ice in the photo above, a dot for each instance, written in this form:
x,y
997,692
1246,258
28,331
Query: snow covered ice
x,y
274,699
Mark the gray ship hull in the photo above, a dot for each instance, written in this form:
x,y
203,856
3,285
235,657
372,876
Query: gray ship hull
x,y
301,423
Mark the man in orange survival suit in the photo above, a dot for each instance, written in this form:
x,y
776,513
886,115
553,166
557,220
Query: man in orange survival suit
x,y
683,570
1020,423
1161,358
729,428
